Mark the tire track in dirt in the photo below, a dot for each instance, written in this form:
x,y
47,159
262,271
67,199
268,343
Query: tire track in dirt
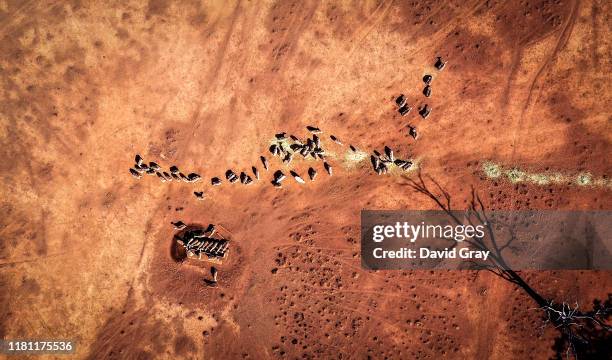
x,y
211,83
516,58
487,334
293,34
561,41
595,10
213,73
563,38
364,29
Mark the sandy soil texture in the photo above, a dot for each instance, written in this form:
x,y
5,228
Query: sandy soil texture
x,y
86,249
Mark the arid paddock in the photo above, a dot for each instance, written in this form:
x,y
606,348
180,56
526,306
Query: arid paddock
x,y
509,100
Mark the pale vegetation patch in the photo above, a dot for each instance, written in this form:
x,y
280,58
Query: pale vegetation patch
x,y
515,175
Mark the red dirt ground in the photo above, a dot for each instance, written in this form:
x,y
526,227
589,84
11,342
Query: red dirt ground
x,y
85,249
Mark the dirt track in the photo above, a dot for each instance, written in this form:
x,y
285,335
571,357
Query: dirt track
x,y
85,248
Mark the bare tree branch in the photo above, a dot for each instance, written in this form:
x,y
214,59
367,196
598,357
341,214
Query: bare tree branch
x,y
580,332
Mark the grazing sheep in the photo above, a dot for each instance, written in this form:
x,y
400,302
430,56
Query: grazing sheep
x,y
193,177
264,162
297,177
210,230
389,153
230,174
412,132
245,179
179,225
313,129
375,161
214,272
287,159
439,63
279,176
312,174
183,177
135,173
401,100
274,149
335,139
425,111
404,110
310,144
328,168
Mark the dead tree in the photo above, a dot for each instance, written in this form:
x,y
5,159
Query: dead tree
x,y
582,334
